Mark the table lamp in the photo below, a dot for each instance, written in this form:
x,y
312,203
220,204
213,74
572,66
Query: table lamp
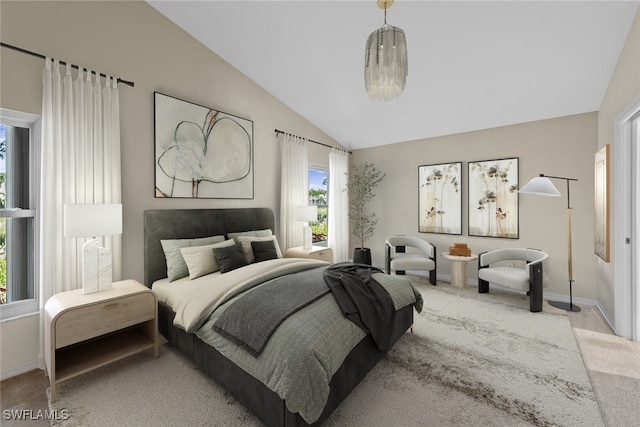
x,y
307,214
92,220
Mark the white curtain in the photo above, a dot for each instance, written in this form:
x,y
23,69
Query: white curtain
x,y
80,163
294,188
338,205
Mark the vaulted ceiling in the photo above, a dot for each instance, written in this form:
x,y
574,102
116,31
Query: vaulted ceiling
x,y
472,65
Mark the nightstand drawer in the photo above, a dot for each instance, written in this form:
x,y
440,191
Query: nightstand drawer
x,y
81,323
316,252
323,255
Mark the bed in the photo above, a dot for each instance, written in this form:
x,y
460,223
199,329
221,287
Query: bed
x,y
210,351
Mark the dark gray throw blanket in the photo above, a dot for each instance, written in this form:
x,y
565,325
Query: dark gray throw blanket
x,y
252,318
363,300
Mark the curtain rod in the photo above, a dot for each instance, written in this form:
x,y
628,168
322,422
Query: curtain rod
x,y
37,55
278,131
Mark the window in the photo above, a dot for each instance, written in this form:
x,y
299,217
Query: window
x,y
318,195
19,150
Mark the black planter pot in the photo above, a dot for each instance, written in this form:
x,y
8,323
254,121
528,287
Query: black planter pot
x,y
362,256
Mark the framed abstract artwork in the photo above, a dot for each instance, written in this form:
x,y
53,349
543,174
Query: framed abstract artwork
x,y
601,235
201,152
440,198
493,198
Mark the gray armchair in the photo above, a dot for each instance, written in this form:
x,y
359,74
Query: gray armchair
x,y
410,253
522,269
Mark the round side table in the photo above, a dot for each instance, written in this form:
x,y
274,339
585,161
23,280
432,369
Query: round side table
x,y
459,268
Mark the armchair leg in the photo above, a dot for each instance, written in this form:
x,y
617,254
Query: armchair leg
x,y
483,286
432,277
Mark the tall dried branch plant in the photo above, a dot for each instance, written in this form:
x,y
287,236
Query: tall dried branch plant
x,y
361,183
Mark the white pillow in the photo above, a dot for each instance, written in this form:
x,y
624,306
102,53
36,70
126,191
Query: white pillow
x,y
245,241
176,267
200,259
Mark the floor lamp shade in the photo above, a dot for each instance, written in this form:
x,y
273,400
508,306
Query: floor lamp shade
x,y
540,186
307,214
92,220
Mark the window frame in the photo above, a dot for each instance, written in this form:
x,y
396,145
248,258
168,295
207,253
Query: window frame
x,y
33,122
324,169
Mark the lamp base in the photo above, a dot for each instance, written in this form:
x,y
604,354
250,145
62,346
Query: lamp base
x,y
96,268
565,306
307,237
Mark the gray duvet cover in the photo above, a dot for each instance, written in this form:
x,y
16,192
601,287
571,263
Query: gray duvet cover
x,y
307,348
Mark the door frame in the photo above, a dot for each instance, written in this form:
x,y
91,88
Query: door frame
x,y
627,235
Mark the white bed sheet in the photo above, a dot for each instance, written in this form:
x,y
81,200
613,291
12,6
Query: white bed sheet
x,y
194,300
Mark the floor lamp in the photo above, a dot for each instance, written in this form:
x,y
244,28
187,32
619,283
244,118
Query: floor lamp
x,y
542,186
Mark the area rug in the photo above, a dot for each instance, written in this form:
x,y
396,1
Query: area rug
x,y
473,360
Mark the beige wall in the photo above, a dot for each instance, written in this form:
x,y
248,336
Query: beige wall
x,y
623,88
133,41
562,147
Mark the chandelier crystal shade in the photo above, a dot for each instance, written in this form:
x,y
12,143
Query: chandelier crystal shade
x,y
386,61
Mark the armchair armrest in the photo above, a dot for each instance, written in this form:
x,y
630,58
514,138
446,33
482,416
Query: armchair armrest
x,y
480,256
530,265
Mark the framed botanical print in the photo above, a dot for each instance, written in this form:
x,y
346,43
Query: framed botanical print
x,y
601,235
201,152
440,198
493,198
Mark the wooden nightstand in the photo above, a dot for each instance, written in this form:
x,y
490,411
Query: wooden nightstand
x,y
85,332
316,252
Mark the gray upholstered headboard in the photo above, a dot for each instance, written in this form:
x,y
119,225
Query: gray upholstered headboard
x,y
190,223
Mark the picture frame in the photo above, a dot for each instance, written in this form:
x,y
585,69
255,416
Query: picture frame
x,y
440,198
602,194
201,152
493,198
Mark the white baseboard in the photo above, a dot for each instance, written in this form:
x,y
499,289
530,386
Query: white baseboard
x,y
17,370
565,298
606,318
546,295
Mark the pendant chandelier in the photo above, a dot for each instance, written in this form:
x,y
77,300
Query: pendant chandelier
x,y
385,64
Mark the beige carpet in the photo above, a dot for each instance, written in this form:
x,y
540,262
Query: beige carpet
x,y
613,366
474,360
609,354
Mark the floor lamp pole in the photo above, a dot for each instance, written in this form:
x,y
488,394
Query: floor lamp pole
x,y
563,305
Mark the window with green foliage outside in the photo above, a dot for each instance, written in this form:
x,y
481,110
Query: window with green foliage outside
x,y
318,196
17,217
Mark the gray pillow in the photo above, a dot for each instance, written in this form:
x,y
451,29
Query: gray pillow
x,y
245,241
252,233
264,250
176,267
230,257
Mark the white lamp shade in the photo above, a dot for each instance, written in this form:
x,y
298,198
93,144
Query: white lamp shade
x,y
540,186
307,213
91,220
